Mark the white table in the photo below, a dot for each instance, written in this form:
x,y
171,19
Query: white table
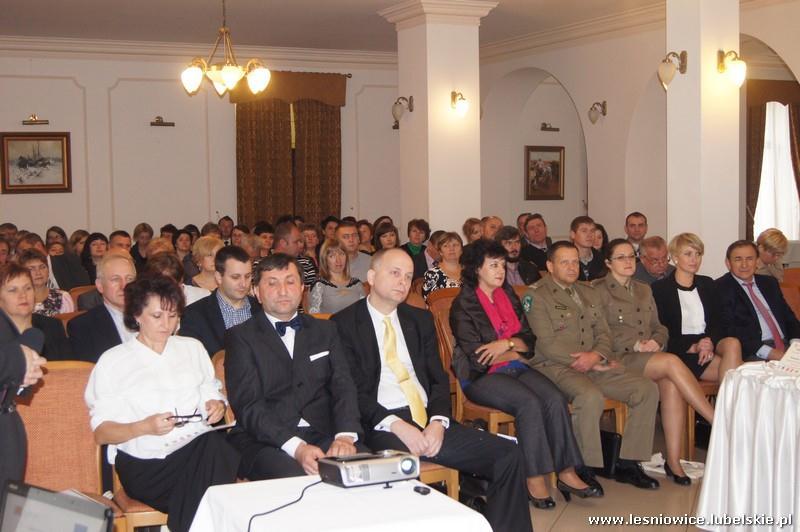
x,y
325,507
753,462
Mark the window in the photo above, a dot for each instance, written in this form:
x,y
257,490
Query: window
x,y
778,205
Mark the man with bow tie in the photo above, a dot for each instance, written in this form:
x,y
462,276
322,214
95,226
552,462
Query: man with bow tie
x,y
288,382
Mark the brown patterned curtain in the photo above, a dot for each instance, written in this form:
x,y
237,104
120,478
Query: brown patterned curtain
x,y
263,160
794,140
318,159
756,121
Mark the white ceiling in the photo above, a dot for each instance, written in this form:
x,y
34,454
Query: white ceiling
x,y
321,24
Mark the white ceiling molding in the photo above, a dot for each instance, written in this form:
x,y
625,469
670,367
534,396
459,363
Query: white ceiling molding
x,y
100,49
414,12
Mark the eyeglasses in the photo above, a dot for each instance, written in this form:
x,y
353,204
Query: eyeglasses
x,y
183,420
624,257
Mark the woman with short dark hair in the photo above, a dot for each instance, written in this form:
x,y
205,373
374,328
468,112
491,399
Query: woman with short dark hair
x,y
153,399
386,237
93,251
493,341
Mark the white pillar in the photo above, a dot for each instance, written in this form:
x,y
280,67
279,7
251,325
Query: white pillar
x,y
703,128
437,48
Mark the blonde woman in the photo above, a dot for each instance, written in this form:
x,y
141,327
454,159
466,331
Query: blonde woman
x,y
772,245
335,289
203,253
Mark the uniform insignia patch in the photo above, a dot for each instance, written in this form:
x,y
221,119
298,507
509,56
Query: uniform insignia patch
x,y
527,303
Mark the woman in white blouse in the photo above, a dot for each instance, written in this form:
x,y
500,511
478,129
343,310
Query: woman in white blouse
x,y
688,305
153,399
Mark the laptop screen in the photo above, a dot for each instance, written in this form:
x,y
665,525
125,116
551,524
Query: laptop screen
x,y
27,508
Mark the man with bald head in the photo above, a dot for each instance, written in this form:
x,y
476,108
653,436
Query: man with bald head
x,y
102,327
404,393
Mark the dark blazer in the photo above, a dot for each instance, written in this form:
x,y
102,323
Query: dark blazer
x,y
534,254
12,433
270,391
56,344
363,354
420,263
92,334
89,300
471,328
68,271
739,316
596,267
203,320
529,271
665,293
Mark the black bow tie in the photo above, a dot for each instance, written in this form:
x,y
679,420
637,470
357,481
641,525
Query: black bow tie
x,y
295,323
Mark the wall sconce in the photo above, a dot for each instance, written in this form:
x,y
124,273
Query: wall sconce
x,y
159,121
731,64
597,110
34,120
459,103
398,109
547,127
667,68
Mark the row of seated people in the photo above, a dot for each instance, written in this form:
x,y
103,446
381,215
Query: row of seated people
x,y
645,362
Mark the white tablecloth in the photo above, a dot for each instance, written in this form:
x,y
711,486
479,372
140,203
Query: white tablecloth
x,y
325,507
753,463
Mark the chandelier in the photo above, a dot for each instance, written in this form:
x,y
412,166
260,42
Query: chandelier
x,y
224,75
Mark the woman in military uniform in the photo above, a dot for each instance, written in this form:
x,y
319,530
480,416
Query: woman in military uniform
x,y
638,342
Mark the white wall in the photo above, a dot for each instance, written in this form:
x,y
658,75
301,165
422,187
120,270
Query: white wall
x,y
124,171
503,153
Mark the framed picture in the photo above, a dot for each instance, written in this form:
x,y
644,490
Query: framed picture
x,y
544,172
35,163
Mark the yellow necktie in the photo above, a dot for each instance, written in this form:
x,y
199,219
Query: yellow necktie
x,y
418,413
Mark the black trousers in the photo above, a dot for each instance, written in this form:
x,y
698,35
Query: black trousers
x,y
543,423
263,462
13,446
479,453
175,484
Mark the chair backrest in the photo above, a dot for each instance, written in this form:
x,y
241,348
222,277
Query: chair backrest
x,y
791,276
75,292
66,316
446,342
791,293
520,290
218,361
62,453
321,316
414,297
442,297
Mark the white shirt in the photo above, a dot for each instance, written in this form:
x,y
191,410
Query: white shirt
x,y
131,382
51,281
390,395
125,334
194,293
693,318
290,446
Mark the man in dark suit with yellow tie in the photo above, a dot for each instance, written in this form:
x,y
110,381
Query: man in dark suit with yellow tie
x,y
404,393
287,381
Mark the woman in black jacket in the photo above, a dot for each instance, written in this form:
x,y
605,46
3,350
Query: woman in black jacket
x,y
493,340
688,305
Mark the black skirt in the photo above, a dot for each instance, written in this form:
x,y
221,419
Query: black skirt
x,y
176,484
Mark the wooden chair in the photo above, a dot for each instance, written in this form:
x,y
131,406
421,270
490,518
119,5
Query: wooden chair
x,y
65,317
77,291
791,293
520,291
791,276
710,390
137,513
218,361
414,297
321,316
62,452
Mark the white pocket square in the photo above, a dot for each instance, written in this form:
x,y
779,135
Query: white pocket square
x,y
321,354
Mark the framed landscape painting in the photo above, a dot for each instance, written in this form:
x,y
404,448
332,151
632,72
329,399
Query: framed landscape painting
x,y
35,163
544,172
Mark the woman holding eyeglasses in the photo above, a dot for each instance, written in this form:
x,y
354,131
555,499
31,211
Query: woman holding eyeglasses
x,y
639,342
152,400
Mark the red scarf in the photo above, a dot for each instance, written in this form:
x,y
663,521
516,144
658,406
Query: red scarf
x,y
502,317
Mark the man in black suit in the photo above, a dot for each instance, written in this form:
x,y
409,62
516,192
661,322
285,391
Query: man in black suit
x,y
536,242
753,307
288,382
229,305
66,271
404,394
519,272
101,328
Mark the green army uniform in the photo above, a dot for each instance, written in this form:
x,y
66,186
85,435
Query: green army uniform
x,y
563,326
632,316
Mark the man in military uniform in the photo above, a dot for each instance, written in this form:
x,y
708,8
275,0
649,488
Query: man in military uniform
x,y
573,349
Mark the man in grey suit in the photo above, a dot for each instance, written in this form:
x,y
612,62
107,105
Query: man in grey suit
x,y
653,261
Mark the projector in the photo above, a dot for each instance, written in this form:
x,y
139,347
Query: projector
x,y
364,469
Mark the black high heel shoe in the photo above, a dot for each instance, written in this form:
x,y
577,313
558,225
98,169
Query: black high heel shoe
x,y
583,493
681,481
543,504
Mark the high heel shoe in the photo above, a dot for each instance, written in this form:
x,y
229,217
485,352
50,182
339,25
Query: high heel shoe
x,y
681,481
583,493
543,504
